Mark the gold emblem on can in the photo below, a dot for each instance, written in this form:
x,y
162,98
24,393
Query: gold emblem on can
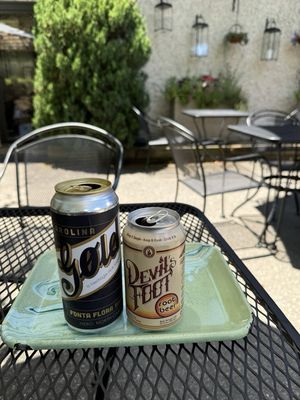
x,y
149,251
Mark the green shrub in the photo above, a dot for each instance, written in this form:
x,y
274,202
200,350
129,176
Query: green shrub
x,y
89,59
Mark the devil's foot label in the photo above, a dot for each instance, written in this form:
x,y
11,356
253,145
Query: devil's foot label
x,y
154,244
89,263
154,287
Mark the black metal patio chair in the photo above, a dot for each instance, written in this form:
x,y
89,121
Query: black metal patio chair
x,y
188,154
283,179
60,152
149,133
271,118
290,158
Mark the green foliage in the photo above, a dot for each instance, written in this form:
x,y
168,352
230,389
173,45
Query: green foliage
x,y
89,59
236,37
15,80
232,94
207,91
297,96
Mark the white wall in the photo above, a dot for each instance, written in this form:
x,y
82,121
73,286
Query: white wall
x,y
267,84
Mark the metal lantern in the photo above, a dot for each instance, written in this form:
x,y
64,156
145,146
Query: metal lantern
x,y
200,37
163,16
271,41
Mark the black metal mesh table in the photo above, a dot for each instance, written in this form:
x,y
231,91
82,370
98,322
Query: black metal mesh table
x,y
265,364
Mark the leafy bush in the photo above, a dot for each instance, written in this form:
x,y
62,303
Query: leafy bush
x,y
89,59
207,91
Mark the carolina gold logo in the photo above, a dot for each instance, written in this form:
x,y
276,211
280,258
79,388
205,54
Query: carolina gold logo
x,y
88,263
74,232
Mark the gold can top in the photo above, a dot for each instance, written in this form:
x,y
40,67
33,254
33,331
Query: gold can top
x,y
83,186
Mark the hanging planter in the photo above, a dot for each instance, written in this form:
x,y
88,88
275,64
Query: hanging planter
x,y
236,35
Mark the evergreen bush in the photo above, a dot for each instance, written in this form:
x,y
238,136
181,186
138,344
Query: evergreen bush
x,y
89,59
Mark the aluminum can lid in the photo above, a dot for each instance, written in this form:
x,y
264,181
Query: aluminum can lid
x,y
154,218
81,187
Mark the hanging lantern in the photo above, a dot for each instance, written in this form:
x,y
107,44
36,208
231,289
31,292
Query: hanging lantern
x,y
271,41
200,37
163,16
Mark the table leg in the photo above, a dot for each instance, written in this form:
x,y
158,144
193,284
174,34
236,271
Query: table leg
x,y
102,377
271,214
201,133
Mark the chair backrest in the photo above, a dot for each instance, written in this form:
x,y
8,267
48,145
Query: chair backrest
x,y
271,117
144,133
295,113
60,152
185,149
148,127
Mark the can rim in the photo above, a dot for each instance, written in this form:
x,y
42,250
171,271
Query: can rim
x,y
147,211
82,186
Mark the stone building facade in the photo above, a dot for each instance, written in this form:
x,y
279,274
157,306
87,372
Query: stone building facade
x,y
266,84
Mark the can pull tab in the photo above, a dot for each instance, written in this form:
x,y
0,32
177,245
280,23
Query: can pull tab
x,y
158,216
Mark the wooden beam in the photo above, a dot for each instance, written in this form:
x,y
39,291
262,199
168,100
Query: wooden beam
x,y
16,7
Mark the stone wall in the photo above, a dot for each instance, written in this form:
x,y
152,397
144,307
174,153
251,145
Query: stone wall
x,y
267,84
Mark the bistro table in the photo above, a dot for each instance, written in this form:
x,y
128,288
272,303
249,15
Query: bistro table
x,y
278,135
201,115
264,364
289,181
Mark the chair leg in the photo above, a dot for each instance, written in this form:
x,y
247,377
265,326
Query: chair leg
x,y
280,215
223,190
222,205
204,204
177,182
269,218
177,189
296,203
147,159
246,200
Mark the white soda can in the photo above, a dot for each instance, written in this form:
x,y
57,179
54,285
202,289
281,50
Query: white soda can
x,y
154,248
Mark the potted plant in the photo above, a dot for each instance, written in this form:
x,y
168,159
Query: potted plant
x,y
236,35
237,38
206,91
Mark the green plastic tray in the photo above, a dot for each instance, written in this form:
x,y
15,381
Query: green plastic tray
x,y
215,309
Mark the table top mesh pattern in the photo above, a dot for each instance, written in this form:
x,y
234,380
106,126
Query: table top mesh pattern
x,y
265,364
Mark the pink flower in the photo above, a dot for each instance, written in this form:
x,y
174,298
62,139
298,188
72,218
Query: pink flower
x,y
295,39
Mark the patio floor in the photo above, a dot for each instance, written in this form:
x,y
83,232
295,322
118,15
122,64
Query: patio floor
x,y
278,273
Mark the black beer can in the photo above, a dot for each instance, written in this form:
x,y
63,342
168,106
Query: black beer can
x,y
85,217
